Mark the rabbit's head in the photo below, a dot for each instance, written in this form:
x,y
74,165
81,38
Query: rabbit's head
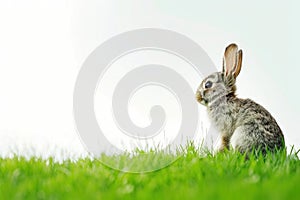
x,y
221,84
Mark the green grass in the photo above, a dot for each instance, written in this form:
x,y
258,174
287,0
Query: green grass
x,y
192,176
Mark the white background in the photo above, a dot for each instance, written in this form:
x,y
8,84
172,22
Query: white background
x,y
44,43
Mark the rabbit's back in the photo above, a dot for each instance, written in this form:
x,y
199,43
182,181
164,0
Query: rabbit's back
x,y
255,128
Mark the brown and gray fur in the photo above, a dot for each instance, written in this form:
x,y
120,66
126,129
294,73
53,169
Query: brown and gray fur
x,y
242,123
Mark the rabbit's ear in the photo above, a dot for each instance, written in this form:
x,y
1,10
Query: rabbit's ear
x,y
232,60
239,63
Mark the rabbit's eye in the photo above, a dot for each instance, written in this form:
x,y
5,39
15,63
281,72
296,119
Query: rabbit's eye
x,y
208,84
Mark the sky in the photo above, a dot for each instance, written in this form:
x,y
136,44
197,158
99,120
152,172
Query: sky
x,y
44,43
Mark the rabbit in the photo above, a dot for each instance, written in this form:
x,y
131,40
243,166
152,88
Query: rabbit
x,y
242,124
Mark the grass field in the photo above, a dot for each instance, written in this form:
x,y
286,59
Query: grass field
x,y
192,176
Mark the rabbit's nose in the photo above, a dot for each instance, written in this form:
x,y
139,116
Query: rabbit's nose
x,y
198,96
